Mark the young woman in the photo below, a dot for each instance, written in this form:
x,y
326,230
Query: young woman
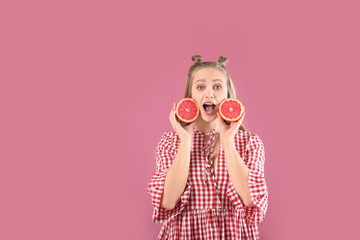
x,y
209,181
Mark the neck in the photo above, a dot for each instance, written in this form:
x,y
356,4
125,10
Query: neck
x,y
205,127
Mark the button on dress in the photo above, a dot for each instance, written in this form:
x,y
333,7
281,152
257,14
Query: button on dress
x,y
210,207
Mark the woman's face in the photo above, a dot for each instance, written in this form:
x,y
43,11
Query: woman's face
x,y
209,86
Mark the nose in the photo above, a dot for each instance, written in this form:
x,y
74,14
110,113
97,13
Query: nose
x,y
209,94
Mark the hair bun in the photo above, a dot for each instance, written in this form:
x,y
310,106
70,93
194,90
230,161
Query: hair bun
x,y
197,58
223,60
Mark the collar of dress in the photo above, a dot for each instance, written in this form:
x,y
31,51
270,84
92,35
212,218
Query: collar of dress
x,y
208,149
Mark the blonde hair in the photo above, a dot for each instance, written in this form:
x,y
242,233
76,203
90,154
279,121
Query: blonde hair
x,y
220,65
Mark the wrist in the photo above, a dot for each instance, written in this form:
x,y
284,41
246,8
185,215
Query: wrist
x,y
227,140
186,139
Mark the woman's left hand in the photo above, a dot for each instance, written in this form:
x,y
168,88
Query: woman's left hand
x,y
229,131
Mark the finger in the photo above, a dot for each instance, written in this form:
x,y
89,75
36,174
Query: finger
x,y
241,120
176,125
242,117
172,115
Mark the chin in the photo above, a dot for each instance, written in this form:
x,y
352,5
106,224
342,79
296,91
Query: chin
x,y
208,118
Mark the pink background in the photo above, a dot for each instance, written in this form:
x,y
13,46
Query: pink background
x,y
87,88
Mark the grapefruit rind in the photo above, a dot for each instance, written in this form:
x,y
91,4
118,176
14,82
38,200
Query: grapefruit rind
x,y
231,119
197,111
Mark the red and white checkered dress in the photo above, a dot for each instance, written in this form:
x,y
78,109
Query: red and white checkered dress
x,y
210,207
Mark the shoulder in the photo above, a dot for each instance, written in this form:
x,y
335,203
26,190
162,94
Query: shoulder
x,y
169,136
166,149
168,139
243,136
251,139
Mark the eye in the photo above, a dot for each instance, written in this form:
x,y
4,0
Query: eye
x,y
218,86
198,87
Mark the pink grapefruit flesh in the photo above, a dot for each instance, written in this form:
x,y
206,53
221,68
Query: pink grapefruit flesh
x,y
231,109
187,110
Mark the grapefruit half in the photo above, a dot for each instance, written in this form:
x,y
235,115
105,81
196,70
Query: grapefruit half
x,y
231,109
187,110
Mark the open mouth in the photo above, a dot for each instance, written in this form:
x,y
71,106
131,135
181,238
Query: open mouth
x,y
209,108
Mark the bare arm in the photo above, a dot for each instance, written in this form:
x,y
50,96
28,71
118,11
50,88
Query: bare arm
x,y
177,175
238,171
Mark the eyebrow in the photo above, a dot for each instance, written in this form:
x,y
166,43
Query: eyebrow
x,y
202,80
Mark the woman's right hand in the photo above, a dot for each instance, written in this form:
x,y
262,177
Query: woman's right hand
x,y
182,129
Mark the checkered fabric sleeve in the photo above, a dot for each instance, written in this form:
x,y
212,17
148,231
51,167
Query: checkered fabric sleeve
x,y
255,160
164,155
